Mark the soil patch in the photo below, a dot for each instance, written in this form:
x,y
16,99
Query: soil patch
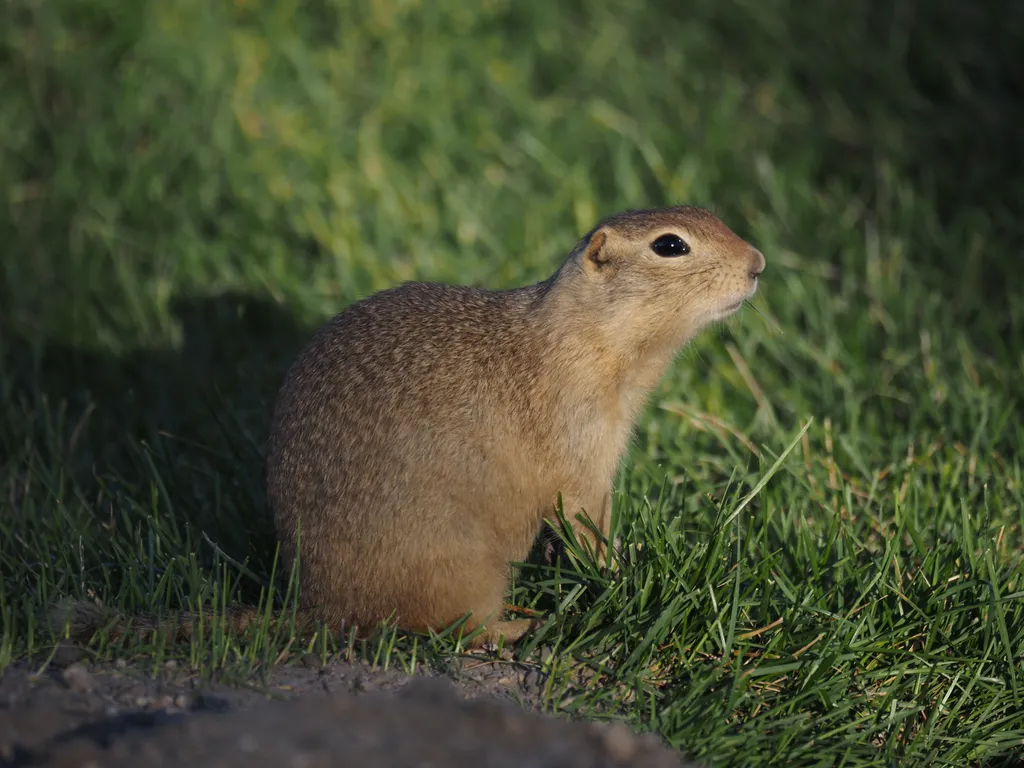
x,y
302,715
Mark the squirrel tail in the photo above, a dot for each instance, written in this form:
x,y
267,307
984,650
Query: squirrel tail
x,y
82,619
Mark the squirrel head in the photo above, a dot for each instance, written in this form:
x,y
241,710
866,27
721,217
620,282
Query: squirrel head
x,y
680,268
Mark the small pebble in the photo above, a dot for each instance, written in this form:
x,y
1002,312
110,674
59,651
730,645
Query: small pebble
x,y
77,678
181,701
533,682
310,661
121,663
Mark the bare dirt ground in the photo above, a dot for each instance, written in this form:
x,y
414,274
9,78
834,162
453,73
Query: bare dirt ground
x,y
304,715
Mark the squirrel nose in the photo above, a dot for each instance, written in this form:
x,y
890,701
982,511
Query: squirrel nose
x,y
756,264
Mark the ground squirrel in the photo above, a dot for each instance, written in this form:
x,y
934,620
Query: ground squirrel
x,y
425,433
422,437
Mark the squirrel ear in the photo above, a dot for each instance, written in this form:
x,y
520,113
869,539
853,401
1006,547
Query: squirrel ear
x,y
595,253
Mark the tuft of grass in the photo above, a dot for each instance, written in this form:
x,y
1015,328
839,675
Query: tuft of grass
x,y
821,512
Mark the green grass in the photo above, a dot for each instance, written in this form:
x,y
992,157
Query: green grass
x,y
190,187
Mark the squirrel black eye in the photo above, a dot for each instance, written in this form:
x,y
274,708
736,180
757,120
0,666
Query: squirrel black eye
x,y
670,245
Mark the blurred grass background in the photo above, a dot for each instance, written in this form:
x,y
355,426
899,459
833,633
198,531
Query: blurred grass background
x,y
190,187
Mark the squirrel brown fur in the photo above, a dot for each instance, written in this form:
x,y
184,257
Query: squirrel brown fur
x,y
422,438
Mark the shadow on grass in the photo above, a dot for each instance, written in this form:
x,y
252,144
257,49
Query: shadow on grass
x,y
1004,762
932,90
186,423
